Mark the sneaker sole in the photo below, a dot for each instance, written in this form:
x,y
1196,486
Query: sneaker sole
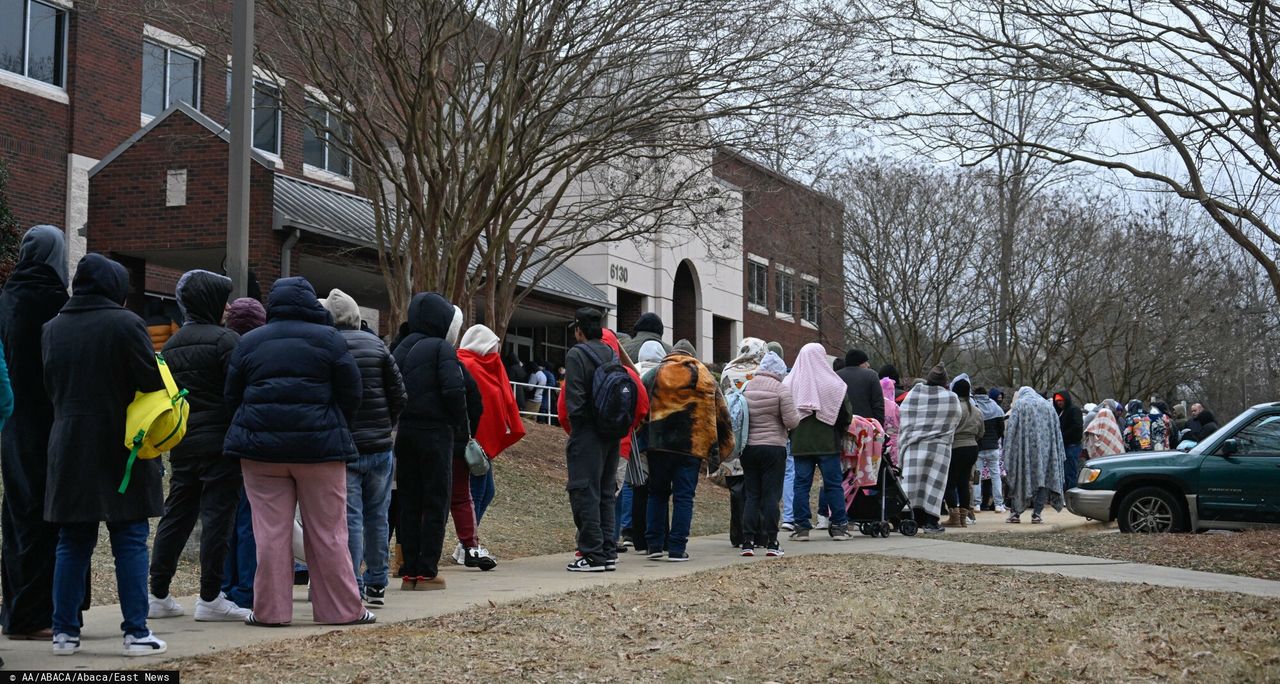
x,y
775,555
677,560
589,569
66,651
138,654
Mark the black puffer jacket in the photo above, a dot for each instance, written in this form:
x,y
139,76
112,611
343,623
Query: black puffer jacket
x,y
198,355
429,364
1070,420
97,354
383,398
292,386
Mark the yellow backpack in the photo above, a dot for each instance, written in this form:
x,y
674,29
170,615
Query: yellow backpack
x,y
155,422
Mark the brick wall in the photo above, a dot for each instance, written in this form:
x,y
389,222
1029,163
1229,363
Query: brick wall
x,y
794,226
33,142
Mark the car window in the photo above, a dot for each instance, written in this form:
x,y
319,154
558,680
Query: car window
x,y
1260,438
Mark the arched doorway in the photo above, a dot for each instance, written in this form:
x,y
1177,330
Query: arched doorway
x,y
686,299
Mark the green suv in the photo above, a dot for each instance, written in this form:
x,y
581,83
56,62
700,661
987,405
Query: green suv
x,y
1230,481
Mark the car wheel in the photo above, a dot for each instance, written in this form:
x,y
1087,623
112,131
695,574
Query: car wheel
x,y
1150,510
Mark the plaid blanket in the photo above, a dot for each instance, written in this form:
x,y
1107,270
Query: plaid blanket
x,y
1102,437
930,416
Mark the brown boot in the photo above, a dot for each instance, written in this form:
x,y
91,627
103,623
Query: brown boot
x,y
964,517
954,517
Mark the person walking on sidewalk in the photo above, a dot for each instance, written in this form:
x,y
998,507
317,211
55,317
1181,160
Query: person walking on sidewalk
x,y
91,386
243,315
764,460
204,483
293,390
382,400
820,399
964,455
688,425
930,414
35,291
1034,456
436,410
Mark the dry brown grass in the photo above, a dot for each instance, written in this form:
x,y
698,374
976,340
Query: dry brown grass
x,y
1252,554
816,618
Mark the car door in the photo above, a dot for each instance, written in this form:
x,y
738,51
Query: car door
x,y
1244,486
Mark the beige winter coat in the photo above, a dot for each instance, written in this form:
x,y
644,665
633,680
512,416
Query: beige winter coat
x,y
971,426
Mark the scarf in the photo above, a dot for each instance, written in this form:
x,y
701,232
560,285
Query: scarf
x,y
1033,451
737,372
814,386
1102,437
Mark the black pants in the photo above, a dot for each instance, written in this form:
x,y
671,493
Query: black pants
x,y
736,500
592,463
924,519
204,487
30,543
959,492
763,471
639,515
424,478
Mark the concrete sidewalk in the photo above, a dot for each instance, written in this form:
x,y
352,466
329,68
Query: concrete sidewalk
x,y
545,575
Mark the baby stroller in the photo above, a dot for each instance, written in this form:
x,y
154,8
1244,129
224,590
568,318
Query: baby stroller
x,y
881,508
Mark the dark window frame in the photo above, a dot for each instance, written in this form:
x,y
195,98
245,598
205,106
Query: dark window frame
x,y
167,92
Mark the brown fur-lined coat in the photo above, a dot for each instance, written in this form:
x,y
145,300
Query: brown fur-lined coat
x,y
687,412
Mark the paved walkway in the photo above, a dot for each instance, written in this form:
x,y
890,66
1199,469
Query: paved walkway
x,y
545,575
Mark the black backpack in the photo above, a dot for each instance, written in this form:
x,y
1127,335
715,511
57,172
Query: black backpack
x,y
613,396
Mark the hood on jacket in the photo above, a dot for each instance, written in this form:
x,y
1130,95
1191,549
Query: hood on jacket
x,y
773,365
649,322
480,340
962,387
455,327
202,296
1134,406
45,245
687,347
295,299
430,314
651,352
996,394
990,409
245,314
344,309
100,276
1067,403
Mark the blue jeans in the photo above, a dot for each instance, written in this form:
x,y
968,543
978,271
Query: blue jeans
x,y
482,491
625,498
75,548
1071,469
788,488
242,559
832,488
368,498
673,479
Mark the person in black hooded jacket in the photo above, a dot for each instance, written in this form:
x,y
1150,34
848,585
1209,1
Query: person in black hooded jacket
x,y
436,409
34,293
203,482
293,389
97,355
1071,420
369,474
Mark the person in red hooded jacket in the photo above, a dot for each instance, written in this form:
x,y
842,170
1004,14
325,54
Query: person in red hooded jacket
x,y
500,424
624,446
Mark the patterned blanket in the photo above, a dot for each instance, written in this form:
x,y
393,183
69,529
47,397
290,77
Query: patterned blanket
x,y
1033,451
929,418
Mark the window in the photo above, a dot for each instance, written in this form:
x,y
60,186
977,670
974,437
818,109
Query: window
x,y
1260,438
786,293
32,37
266,114
757,284
168,76
318,148
809,310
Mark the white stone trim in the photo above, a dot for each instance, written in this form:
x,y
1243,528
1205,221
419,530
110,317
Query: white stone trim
x,y
758,259
809,279
758,309
785,269
316,173
785,317
145,119
270,156
172,40
34,87
807,324
64,4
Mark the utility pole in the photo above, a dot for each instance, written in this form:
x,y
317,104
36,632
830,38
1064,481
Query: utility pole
x,y
240,120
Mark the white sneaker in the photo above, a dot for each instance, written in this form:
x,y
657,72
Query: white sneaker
x,y
65,644
166,607
788,526
485,552
143,646
221,609
824,523
460,554
999,509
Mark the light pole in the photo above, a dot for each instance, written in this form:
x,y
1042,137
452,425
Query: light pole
x,y
240,120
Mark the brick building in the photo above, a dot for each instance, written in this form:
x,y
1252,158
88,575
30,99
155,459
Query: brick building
x,y
112,127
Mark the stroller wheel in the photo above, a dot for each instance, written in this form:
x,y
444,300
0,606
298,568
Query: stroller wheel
x,y
893,525
865,528
885,529
908,528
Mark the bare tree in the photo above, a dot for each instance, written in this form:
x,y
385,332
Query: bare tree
x,y
497,138
1182,93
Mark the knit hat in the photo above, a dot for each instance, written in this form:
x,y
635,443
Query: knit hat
x,y
686,346
245,314
855,357
649,323
890,371
937,376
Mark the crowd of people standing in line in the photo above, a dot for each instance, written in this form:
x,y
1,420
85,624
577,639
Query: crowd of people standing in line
x,y
302,417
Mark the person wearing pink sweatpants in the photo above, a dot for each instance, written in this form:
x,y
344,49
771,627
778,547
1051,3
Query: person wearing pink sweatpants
x,y
292,390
